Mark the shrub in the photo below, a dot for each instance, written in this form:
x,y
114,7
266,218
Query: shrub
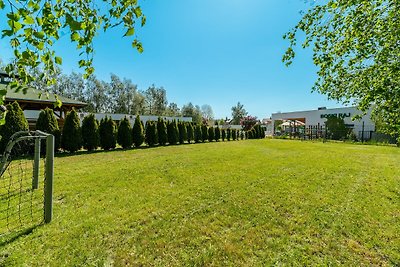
x,y
241,135
71,139
15,121
182,132
204,132
90,132
228,134
162,132
190,132
124,136
173,132
198,135
336,128
48,123
138,132
211,134
217,133
108,132
151,134
233,133
223,134
250,133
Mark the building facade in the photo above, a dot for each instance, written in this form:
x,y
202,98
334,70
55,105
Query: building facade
x,y
319,116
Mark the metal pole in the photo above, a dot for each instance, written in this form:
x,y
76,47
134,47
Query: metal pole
x,y
362,132
48,189
36,166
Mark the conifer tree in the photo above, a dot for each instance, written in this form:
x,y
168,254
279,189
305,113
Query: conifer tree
x,y
108,133
162,132
151,134
254,133
71,139
233,133
124,136
138,132
15,121
48,123
228,134
211,134
176,129
90,132
173,133
223,134
190,132
198,136
257,131
204,132
182,132
217,133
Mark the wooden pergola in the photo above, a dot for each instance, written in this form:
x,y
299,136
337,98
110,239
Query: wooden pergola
x,y
34,99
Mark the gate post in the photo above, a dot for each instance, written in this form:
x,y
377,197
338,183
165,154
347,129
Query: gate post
x,y
48,188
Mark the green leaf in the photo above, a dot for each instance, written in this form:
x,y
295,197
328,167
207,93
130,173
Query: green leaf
x,y
3,118
40,45
2,4
138,12
130,32
13,16
57,103
39,35
14,25
6,33
29,20
58,60
75,36
39,21
143,20
25,55
138,46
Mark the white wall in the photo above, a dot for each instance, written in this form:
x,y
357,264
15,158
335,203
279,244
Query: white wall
x,y
315,117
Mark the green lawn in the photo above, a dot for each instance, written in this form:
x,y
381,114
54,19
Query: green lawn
x,y
256,202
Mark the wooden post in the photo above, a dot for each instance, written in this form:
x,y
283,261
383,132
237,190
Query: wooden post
x,y
48,188
36,165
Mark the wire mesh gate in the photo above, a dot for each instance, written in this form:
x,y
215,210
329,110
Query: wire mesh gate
x,y
26,182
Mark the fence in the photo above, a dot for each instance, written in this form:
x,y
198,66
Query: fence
x,y
360,133
26,183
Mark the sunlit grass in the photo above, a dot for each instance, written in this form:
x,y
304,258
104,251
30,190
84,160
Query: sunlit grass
x,y
257,202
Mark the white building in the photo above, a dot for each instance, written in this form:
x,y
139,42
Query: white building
x,y
320,115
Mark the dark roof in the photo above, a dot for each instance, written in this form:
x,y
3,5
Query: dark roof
x,y
38,96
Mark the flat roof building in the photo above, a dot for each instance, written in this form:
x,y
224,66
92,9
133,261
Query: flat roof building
x,y
319,116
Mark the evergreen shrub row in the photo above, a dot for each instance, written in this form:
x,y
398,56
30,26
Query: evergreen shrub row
x,y
107,134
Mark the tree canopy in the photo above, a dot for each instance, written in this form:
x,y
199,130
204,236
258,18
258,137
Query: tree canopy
x,y
238,113
356,47
34,26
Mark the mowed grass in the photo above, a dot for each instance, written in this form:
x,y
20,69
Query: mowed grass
x,y
253,203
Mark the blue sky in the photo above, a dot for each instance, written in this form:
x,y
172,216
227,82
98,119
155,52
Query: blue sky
x,y
215,52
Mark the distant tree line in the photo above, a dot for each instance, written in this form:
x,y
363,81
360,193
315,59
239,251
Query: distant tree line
x,y
121,96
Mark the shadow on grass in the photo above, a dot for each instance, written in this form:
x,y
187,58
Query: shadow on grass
x,y
62,154
12,236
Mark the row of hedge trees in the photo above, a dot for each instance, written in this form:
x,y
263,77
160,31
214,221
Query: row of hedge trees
x,y
107,134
